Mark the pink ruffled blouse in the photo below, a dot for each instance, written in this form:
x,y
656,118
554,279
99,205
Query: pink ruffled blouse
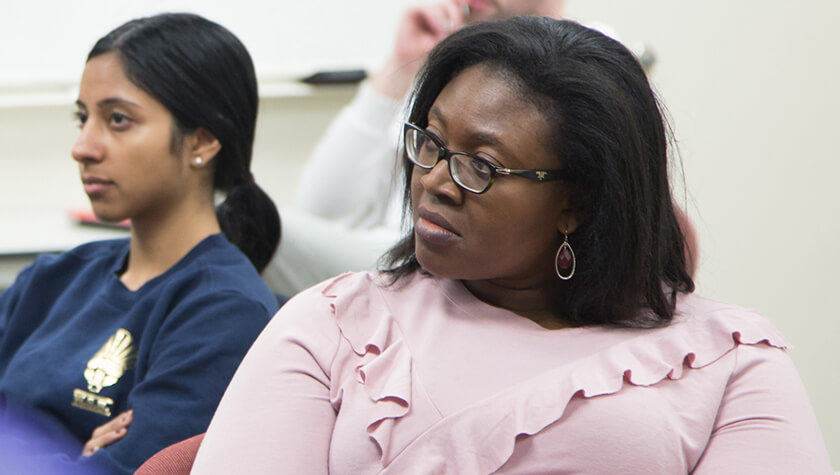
x,y
352,376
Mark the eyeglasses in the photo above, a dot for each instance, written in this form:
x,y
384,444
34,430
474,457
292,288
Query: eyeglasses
x,y
472,173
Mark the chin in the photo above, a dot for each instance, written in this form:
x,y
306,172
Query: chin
x,y
432,265
107,215
443,267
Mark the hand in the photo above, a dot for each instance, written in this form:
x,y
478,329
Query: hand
x,y
420,29
108,433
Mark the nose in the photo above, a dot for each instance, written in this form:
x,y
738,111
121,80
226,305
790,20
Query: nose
x,y
438,182
88,146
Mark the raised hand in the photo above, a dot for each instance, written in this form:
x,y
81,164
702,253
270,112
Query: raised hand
x,y
420,29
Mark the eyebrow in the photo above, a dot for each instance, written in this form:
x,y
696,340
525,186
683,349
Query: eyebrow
x,y
436,112
109,101
485,138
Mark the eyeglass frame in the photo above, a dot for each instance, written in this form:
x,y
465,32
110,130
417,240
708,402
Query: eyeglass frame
x,y
444,153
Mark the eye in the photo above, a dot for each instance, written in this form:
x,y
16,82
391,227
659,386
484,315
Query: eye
x,y
481,168
119,121
80,117
427,146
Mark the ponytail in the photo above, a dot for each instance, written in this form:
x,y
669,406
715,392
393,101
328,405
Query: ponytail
x,y
250,220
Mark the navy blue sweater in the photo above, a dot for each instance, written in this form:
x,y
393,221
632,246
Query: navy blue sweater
x,y
77,347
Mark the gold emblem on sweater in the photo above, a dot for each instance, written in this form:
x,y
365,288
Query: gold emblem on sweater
x,y
106,367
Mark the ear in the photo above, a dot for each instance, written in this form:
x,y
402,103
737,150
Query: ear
x,y
568,221
201,144
571,211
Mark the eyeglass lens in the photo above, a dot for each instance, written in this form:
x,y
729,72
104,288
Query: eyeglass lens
x,y
468,172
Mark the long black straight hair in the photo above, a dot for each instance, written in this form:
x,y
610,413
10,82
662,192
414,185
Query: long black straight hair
x,y
205,77
609,133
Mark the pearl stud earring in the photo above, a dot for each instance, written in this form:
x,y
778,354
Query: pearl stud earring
x,y
198,160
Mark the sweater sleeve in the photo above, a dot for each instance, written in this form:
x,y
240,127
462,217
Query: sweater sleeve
x,y
193,357
350,176
9,299
277,415
765,423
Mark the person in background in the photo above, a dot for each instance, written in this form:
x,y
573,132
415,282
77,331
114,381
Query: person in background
x,y
113,350
538,316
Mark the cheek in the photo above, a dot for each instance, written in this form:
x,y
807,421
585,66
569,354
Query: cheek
x,y
153,148
149,165
416,190
517,226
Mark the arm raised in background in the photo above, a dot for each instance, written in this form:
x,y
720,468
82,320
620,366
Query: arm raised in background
x,y
350,176
420,29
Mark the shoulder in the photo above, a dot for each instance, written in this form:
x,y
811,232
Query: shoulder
x,y
54,272
366,285
217,271
703,332
89,253
225,321
215,292
363,299
709,318
94,249
354,303
755,341
320,300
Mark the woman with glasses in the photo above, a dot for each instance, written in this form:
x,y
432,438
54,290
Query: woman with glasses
x,y
116,349
537,317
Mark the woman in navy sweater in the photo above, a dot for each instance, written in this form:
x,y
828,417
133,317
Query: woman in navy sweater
x,y
148,330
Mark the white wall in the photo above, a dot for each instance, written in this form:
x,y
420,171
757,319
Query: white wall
x,y
282,35
751,87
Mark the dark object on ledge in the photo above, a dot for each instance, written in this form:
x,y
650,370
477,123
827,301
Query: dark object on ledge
x,y
347,76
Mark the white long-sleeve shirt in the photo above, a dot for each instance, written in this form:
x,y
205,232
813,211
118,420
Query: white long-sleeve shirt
x,y
350,198
352,176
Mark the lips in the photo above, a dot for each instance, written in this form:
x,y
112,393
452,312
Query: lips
x,y
433,229
96,186
436,219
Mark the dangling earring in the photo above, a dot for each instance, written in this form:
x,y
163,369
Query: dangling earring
x,y
198,160
564,261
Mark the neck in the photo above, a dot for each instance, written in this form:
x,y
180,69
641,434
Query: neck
x,y
158,242
531,300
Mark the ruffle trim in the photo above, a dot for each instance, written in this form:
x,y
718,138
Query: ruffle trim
x,y
384,367
385,370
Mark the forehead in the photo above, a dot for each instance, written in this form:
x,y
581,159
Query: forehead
x,y
104,78
483,85
483,101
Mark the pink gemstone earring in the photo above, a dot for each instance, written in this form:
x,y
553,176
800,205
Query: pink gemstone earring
x,y
564,261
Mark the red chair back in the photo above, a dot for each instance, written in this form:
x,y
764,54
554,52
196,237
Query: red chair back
x,y
177,459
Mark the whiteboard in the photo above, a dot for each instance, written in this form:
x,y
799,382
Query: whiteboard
x,y
46,41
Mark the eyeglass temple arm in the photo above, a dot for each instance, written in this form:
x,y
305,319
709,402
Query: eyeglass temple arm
x,y
536,175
